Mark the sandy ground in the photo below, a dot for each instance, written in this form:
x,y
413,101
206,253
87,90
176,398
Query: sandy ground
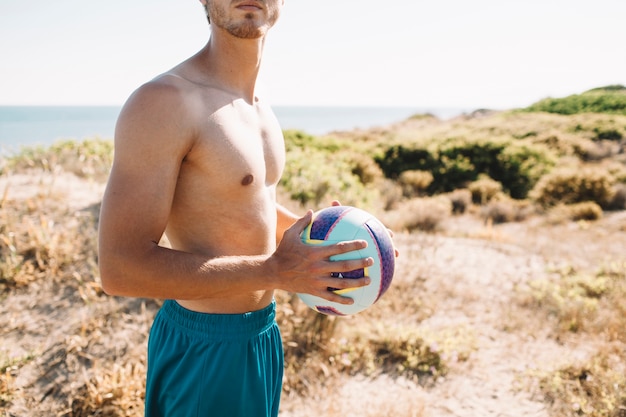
x,y
472,270
480,276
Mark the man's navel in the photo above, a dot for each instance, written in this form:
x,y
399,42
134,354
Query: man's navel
x,y
247,180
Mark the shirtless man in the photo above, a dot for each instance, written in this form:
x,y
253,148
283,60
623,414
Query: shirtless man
x,y
198,157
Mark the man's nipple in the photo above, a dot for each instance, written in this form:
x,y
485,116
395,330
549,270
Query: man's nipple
x,y
247,180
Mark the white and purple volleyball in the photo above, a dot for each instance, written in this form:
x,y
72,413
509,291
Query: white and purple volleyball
x,y
341,223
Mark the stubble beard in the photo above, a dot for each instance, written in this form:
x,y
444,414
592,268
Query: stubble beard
x,y
246,29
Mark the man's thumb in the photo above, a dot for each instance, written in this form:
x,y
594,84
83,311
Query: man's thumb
x,y
303,222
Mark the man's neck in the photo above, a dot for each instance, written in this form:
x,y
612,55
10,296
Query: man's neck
x,y
234,62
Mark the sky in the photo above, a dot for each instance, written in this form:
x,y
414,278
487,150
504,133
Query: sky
x,y
496,54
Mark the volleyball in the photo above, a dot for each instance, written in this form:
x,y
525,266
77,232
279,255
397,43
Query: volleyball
x,y
341,223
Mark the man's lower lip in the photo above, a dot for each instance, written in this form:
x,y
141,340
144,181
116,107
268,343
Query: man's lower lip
x,y
248,8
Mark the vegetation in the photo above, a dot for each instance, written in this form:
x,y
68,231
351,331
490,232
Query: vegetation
x,y
610,100
90,158
560,161
545,158
590,304
576,185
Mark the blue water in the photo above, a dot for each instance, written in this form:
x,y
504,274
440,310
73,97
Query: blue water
x,y
43,125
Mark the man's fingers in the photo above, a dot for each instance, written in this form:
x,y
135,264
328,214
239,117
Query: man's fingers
x,y
342,247
349,264
301,224
335,298
338,289
347,283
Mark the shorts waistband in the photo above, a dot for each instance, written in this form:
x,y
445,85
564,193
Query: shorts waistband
x,y
220,326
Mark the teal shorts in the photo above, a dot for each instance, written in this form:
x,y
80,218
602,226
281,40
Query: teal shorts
x,y
222,365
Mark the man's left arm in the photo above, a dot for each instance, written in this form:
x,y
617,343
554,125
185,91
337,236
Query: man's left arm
x,y
284,219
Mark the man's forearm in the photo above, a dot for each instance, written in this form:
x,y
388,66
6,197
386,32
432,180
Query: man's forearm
x,y
171,274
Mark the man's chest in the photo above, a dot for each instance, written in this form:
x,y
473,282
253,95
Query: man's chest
x,y
240,147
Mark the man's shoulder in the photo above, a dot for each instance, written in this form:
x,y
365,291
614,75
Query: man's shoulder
x,y
165,89
159,111
164,98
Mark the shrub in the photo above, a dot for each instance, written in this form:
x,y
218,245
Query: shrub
x,y
296,139
34,245
608,88
618,202
424,214
602,100
415,182
503,209
594,302
573,298
313,351
516,166
575,185
390,193
589,151
364,168
461,200
484,189
587,210
456,162
399,158
520,166
592,389
608,134
318,170
91,158
315,178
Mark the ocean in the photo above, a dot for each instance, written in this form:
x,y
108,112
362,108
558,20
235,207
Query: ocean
x,y
43,125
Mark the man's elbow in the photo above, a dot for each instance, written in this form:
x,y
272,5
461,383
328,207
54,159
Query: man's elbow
x,y
110,280
114,276
122,270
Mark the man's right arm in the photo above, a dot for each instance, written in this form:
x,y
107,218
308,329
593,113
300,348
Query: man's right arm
x,y
150,145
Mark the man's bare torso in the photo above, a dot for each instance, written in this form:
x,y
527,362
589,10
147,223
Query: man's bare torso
x,y
225,198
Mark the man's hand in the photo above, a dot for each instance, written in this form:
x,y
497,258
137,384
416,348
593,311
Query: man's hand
x,y
302,268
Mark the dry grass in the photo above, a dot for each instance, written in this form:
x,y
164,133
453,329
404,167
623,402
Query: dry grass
x,y
451,314
49,259
588,306
585,211
595,388
90,159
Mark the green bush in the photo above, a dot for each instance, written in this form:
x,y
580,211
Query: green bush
x,y
296,139
399,158
316,178
608,134
319,170
464,160
457,162
610,100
